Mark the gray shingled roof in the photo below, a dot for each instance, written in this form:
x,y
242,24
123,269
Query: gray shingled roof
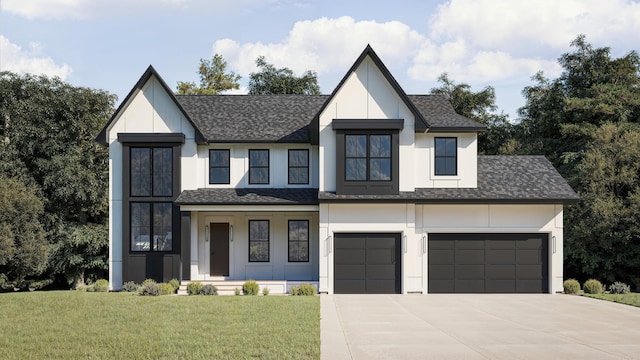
x,y
507,179
285,118
246,196
439,113
252,118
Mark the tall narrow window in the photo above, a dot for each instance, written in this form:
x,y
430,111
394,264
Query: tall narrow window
x,y
446,156
299,166
151,191
298,240
219,166
259,240
258,166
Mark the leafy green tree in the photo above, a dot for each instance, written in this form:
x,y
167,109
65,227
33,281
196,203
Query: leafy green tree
x,y
481,107
23,244
270,80
49,127
214,78
585,122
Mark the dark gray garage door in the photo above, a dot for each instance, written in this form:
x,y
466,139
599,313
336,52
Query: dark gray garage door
x,y
366,264
488,263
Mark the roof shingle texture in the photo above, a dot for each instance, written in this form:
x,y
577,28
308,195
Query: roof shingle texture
x,y
285,118
249,196
510,179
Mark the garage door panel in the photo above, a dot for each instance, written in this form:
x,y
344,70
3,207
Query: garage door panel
x,y
350,272
469,272
495,263
350,256
469,256
381,272
380,242
350,287
380,256
381,286
501,256
437,257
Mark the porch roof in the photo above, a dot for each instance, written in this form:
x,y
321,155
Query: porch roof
x,y
249,196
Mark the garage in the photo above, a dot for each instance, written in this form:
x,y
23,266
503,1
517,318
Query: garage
x,y
488,263
367,263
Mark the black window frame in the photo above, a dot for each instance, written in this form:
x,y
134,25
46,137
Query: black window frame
x,y
445,156
289,240
268,167
289,167
367,187
154,238
268,241
228,166
368,158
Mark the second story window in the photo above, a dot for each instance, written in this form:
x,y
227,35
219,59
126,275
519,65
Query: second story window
x,y
446,156
299,166
219,166
258,166
368,157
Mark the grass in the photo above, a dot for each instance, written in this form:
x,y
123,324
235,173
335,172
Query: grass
x,y
72,324
628,299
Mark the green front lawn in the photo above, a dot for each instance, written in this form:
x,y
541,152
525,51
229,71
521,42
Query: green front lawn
x,y
70,324
629,299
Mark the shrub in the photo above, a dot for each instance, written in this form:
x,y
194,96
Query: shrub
x,y
175,284
194,288
619,288
166,289
209,290
150,288
101,285
593,286
36,285
303,290
571,286
236,291
250,287
89,288
148,281
265,291
130,286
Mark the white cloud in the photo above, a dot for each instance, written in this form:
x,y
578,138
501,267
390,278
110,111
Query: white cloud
x,y
15,58
314,45
88,9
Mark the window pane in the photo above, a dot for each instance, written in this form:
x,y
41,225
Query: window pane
x,y
298,240
380,169
450,166
258,175
258,240
162,171
451,147
356,169
219,158
162,234
140,172
380,146
140,227
258,157
356,145
219,175
299,176
298,158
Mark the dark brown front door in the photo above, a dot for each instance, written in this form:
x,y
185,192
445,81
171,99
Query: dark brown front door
x,y
219,249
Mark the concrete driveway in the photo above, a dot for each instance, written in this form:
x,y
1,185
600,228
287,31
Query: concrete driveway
x,y
470,326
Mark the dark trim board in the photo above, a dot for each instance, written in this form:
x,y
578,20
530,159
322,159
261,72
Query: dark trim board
x,y
488,263
367,263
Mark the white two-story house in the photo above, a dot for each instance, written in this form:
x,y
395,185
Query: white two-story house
x,y
366,190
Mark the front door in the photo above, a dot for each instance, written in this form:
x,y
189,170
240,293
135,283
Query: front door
x,y
219,249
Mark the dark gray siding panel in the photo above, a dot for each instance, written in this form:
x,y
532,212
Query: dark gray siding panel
x,y
185,238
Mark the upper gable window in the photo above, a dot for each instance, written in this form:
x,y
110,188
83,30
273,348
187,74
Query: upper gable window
x,y
298,166
368,157
446,156
151,171
258,166
219,166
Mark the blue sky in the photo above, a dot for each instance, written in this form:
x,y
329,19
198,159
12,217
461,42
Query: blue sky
x,y
107,44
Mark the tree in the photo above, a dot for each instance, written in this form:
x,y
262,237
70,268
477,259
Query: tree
x,y
270,80
49,128
481,107
214,78
23,244
585,122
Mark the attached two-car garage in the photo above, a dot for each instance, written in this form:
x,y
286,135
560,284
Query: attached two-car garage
x,y
488,263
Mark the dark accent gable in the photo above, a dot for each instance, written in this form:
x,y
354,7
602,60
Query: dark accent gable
x,y
367,124
102,136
